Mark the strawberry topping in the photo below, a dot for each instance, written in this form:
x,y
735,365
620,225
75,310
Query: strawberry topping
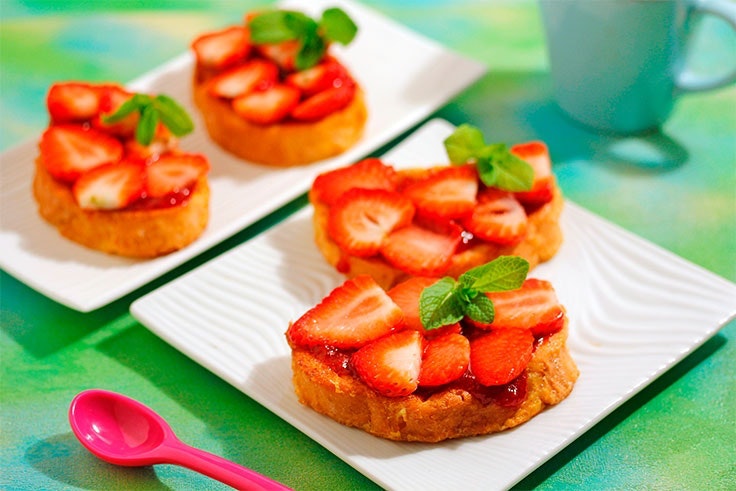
x,y
445,359
406,295
110,186
253,75
324,103
449,193
328,74
70,150
223,48
72,102
367,174
501,355
111,98
173,173
420,251
498,218
536,154
391,365
267,106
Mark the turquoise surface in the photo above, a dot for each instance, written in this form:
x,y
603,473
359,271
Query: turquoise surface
x,y
676,188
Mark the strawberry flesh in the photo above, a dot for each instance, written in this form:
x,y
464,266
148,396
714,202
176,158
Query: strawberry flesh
x,y
253,75
267,106
223,48
501,355
369,173
420,251
111,98
406,295
72,102
445,359
328,74
536,154
172,174
68,151
498,218
110,186
391,365
324,103
449,193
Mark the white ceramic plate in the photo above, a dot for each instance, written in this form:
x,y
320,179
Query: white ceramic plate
x,y
405,77
635,310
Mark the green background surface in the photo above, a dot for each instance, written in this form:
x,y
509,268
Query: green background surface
x,y
676,188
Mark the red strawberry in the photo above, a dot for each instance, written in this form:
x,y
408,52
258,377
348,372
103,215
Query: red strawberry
x,y
72,102
391,364
163,142
406,295
534,306
352,315
111,98
110,186
498,357
172,173
537,155
368,174
420,251
498,218
223,48
449,193
330,73
445,359
324,103
253,75
361,219
70,150
267,106
283,54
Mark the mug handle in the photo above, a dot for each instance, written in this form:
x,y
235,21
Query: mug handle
x,y
687,81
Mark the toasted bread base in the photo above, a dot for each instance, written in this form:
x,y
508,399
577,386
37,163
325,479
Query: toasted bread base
x,y
541,243
143,233
446,414
283,144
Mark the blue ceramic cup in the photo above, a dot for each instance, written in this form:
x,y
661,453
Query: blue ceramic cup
x,y
619,65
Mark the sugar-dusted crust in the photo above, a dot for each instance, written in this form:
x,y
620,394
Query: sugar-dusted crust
x,y
143,233
541,243
450,413
283,144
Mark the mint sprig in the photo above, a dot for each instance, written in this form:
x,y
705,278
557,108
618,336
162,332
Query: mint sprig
x,y
448,300
277,26
497,166
153,110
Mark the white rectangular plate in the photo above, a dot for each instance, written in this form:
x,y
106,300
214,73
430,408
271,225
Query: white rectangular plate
x,y
635,310
405,78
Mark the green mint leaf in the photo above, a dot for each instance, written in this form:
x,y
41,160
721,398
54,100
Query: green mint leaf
x,y
500,168
312,49
147,123
439,305
480,309
135,103
274,26
338,26
172,115
501,274
464,144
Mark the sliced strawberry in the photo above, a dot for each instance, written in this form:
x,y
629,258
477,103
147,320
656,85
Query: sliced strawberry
x,y
223,48
110,186
406,295
328,74
111,98
72,102
536,154
253,75
163,142
391,365
445,359
370,173
267,106
352,315
498,218
283,54
449,193
534,306
498,357
173,173
361,219
68,151
421,252
324,103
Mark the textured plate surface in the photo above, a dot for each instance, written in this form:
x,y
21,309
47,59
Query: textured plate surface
x,y
635,310
413,78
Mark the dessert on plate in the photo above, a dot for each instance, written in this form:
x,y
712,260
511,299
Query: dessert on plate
x,y
370,218
271,91
435,358
110,175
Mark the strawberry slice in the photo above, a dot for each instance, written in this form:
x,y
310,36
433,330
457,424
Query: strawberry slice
x,y
420,251
536,154
267,106
111,98
68,151
173,174
223,48
498,357
110,186
391,365
406,295
370,173
283,54
72,102
445,359
449,193
534,306
352,315
324,103
253,75
361,219
498,218
329,73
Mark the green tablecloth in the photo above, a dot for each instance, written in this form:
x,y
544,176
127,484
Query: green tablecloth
x,y
678,433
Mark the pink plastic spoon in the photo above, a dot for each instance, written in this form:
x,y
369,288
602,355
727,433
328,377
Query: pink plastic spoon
x,y
122,431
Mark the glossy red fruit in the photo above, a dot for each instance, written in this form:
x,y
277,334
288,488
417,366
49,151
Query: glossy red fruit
x,y
111,98
283,54
267,106
445,359
498,218
324,103
536,154
406,295
223,48
330,73
391,365
173,173
110,186
69,102
254,75
68,151
420,251
449,193
370,173
501,355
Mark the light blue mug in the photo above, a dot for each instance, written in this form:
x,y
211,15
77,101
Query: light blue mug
x,y
619,65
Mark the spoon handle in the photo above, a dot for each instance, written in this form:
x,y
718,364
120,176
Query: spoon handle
x,y
220,469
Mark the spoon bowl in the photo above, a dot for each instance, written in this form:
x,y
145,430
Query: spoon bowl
x,y
122,431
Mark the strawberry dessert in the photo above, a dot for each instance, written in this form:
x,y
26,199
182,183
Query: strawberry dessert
x,y
435,358
110,175
370,218
271,92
